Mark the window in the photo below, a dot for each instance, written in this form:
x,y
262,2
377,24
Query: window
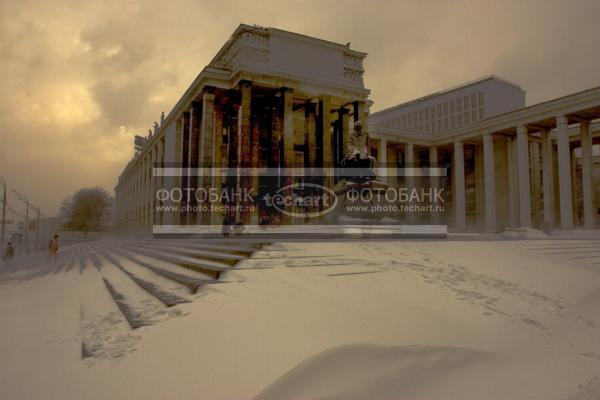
x,y
439,111
459,120
445,108
410,120
451,107
466,116
481,113
480,99
458,106
473,101
446,123
466,102
404,121
420,115
473,115
452,124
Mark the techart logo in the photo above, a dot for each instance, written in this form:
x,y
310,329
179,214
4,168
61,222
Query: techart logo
x,y
303,200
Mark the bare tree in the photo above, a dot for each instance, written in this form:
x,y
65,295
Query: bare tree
x,y
87,210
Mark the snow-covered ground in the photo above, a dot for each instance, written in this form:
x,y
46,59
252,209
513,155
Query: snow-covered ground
x,y
336,320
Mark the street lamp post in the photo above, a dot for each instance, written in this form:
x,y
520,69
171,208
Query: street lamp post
x,y
3,181
37,224
37,229
27,205
27,222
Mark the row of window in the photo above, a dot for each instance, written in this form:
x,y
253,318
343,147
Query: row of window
x,y
443,116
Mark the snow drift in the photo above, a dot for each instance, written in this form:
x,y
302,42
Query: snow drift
x,y
361,371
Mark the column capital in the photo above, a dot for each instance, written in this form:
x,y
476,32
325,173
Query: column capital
x,y
457,143
488,137
522,130
561,119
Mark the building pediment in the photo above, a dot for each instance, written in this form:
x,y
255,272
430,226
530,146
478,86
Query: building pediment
x,y
277,53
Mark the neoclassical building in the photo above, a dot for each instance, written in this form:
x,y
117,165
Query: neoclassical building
x,y
279,100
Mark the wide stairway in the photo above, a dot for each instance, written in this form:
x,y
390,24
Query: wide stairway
x,y
128,283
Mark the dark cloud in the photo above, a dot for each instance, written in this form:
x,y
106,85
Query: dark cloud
x,y
124,104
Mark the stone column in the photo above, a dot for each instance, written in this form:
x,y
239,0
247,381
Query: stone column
x,y
288,141
489,180
148,188
138,193
383,167
288,130
434,181
185,164
586,172
535,183
343,123
141,192
479,180
359,109
409,173
459,186
564,173
171,154
152,189
325,126
311,133
524,185
513,188
244,143
218,152
206,148
548,179
194,151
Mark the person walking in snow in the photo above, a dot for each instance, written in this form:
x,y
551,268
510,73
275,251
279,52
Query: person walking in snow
x,y
226,230
53,246
8,255
9,252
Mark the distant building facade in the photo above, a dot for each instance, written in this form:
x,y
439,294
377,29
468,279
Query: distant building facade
x,y
453,108
269,99
276,99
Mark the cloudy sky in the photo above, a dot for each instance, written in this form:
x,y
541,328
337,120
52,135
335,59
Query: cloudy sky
x,y
80,79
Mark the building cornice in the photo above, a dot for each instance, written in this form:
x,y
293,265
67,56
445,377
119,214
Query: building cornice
x,y
564,105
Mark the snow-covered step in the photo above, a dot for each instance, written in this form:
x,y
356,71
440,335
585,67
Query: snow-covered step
x,y
95,259
205,254
233,247
191,283
167,298
210,268
100,317
134,319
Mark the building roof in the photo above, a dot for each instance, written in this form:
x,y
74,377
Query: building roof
x,y
244,28
449,90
